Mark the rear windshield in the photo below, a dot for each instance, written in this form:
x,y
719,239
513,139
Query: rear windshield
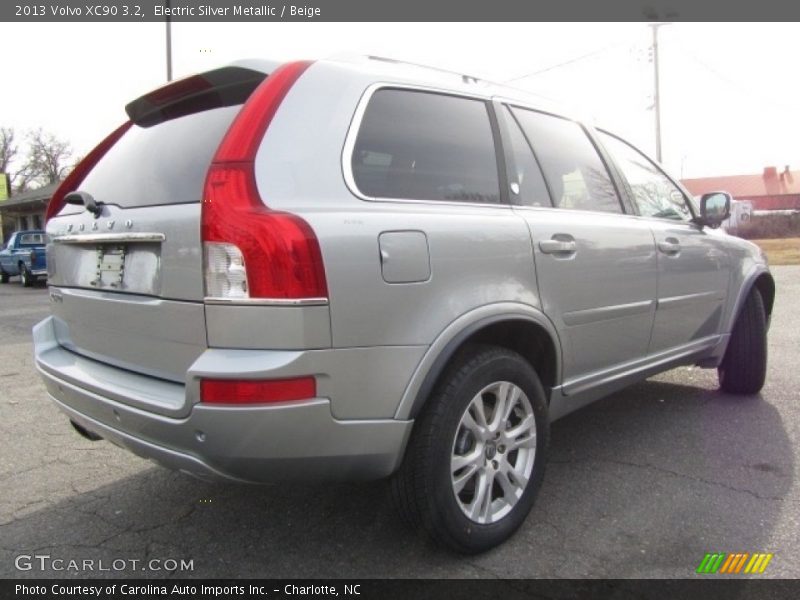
x,y
163,164
32,239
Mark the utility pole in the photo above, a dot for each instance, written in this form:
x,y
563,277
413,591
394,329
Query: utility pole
x,y
657,88
169,42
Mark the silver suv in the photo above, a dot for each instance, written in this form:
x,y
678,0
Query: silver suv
x,y
347,270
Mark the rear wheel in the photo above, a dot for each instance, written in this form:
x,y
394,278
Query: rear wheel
x,y
4,277
476,457
25,276
744,367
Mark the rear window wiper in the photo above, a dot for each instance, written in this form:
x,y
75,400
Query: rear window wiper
x,y
87,200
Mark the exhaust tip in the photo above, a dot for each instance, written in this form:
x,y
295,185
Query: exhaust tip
x,y
89,435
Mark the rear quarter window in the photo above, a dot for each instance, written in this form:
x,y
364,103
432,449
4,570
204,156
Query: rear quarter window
x,y
426,146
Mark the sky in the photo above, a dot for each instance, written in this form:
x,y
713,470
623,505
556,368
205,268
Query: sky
x,y
729,92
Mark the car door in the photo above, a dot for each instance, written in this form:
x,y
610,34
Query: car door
x,y
693,265
596,267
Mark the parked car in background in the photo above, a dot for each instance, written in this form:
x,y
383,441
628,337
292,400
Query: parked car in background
x,y
24,255
348,270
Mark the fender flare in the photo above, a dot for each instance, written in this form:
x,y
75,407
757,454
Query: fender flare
x,y
453,336
744,291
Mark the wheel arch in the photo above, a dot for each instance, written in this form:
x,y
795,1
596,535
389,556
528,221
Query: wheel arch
x,y
520,328
765,284
760,279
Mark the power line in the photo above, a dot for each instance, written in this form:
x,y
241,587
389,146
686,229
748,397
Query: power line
x,y
567,62
735,84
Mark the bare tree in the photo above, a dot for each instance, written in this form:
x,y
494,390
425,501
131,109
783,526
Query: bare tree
x,y
22,179
18,178
8,148
48,158
8,152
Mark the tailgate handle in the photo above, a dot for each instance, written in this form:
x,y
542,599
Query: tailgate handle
x,y
111,238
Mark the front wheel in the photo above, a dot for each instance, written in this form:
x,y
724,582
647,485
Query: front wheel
x,y
4,277
476,457
744,367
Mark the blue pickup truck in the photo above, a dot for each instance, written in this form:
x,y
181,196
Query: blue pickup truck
x,y
24,255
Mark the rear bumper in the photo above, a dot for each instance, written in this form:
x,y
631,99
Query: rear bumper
x,y
299,441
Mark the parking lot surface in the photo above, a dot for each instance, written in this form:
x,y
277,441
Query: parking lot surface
x,y
641,484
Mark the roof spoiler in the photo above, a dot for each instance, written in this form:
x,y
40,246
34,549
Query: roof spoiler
x,y
227,86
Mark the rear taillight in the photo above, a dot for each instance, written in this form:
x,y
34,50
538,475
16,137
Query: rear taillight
x,y
224,272
244,391
251,251
79,173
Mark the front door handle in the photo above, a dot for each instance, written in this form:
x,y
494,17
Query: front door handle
x,y
669,246
559,244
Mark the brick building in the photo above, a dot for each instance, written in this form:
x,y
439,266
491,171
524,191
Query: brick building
x,y
770,190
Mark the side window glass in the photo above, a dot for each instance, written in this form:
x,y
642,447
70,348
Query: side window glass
x,y
653,192
426,146
575,173
527,183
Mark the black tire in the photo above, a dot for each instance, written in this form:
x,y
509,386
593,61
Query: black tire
x,y
25,276
4,277
744,366
422,489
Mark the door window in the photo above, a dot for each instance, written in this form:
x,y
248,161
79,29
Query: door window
x,y
575,172
652,191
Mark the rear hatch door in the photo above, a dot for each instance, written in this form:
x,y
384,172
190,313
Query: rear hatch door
x,y
127,284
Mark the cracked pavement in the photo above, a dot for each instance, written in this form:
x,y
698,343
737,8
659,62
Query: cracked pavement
x,y
641,484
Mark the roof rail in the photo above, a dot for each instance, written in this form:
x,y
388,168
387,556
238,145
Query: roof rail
x,y
464,78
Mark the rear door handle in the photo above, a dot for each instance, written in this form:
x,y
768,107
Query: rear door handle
x,y
669,246
560,244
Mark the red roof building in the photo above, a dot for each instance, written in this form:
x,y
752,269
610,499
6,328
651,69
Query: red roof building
x,y
771,190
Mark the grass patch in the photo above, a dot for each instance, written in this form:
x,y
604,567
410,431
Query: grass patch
x,y
785,251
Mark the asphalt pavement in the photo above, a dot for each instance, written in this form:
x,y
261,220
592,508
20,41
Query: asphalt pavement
x,y
640,484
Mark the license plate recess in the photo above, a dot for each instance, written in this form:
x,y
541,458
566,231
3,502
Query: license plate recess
x,y
110,266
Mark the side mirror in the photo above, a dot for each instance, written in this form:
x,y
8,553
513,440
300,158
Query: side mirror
x,y
715,207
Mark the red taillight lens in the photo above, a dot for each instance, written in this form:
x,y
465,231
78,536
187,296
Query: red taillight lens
x,y
280,252
74,179
236,391
244,136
